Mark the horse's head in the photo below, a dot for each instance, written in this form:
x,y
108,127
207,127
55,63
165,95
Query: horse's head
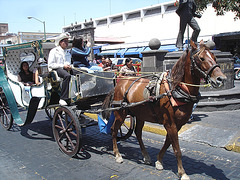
x,y
204,65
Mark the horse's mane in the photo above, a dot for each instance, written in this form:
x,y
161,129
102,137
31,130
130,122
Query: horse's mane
x,y
177,72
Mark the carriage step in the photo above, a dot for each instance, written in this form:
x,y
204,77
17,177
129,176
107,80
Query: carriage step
x,y
85,121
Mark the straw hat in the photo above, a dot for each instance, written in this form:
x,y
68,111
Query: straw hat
x,y
61,37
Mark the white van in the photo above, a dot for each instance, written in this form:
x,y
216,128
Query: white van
x,y
119,61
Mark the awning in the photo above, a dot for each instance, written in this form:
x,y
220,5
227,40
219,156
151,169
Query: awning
x,y
169,48
130,51
108,53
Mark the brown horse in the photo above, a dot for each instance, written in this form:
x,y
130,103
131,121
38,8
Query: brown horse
x,y
189,69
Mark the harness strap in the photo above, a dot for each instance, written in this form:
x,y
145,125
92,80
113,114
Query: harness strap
x,y
125,94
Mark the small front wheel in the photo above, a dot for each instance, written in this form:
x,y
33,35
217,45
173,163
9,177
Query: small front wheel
x,y
127,128
6,118
67,130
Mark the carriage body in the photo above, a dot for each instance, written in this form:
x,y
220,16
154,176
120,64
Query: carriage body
x,y
81,86
86,88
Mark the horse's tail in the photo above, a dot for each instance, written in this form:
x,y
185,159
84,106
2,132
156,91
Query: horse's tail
x,y
106,104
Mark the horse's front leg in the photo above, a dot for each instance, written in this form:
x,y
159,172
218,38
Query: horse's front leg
x,y
173,135
115,127
138,132
158,163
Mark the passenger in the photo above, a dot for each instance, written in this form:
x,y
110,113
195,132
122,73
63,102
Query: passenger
x,y
25,75
128,69
79,54
59,59
108,66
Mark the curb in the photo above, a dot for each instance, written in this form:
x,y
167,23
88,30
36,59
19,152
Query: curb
x,y
233,145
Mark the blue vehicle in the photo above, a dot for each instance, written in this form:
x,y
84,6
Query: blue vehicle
x,y
236,67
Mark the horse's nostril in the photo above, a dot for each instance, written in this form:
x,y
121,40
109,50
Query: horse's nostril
x,y
221,79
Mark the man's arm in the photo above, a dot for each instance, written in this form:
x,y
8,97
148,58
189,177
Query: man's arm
x,y
52,64
181,4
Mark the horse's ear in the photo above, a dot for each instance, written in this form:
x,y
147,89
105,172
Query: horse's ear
x,y
193,45
201,43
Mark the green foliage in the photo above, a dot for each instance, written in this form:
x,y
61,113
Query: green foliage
x,y
221,6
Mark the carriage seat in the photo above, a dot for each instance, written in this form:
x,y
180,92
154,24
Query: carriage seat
x,y
55,78
83,69
22,93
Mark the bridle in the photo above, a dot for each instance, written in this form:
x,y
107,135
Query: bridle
x,y
195,68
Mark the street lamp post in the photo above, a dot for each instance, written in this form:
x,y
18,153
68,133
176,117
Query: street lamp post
x,y
43,25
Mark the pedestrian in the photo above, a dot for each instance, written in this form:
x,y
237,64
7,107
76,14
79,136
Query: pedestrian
x,y
187,11
59,59
128,69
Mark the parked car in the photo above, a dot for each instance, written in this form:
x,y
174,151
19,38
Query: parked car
x,y
121,61
236,67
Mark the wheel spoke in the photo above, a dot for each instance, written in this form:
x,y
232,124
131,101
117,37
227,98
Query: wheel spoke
x,y
124,124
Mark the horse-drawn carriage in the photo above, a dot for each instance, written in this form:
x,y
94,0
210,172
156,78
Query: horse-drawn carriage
x,y
87,90
170,106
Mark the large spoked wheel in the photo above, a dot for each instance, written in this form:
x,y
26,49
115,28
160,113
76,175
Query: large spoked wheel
x,y
6,118
126,129
67,130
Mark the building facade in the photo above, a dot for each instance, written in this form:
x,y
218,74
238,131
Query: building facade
x,y
138,26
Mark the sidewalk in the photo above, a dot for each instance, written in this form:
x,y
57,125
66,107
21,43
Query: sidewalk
x,y
218,129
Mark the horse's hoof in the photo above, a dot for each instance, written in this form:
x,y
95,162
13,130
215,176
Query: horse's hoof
x,y
158,165
147,161
119,159
185,177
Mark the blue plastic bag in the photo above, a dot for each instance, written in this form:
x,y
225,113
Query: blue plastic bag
x,y
105,125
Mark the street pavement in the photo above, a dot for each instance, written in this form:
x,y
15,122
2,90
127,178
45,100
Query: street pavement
x,y
31,153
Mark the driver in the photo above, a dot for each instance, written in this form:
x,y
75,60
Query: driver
x,y
59,59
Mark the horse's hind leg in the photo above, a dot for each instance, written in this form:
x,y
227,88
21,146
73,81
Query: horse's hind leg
x,y
138,132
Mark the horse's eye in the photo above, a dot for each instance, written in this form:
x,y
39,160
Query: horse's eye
x,y
202,59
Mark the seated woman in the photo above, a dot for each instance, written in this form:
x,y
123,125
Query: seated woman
x,y
128,69
25,75
79,54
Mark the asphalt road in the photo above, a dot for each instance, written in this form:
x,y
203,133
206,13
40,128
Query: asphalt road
x,y
31,153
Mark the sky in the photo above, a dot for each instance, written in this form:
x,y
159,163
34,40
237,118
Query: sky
x,y
59,13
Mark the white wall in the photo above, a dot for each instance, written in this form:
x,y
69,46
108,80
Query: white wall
x,y
163,25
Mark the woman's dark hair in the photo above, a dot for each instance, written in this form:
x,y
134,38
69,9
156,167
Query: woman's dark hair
x,y
77,42
21,66
127,60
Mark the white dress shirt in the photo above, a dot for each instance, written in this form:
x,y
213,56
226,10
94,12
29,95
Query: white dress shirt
x,y
58,57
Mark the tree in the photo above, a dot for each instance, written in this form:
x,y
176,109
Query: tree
x,y
221,6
